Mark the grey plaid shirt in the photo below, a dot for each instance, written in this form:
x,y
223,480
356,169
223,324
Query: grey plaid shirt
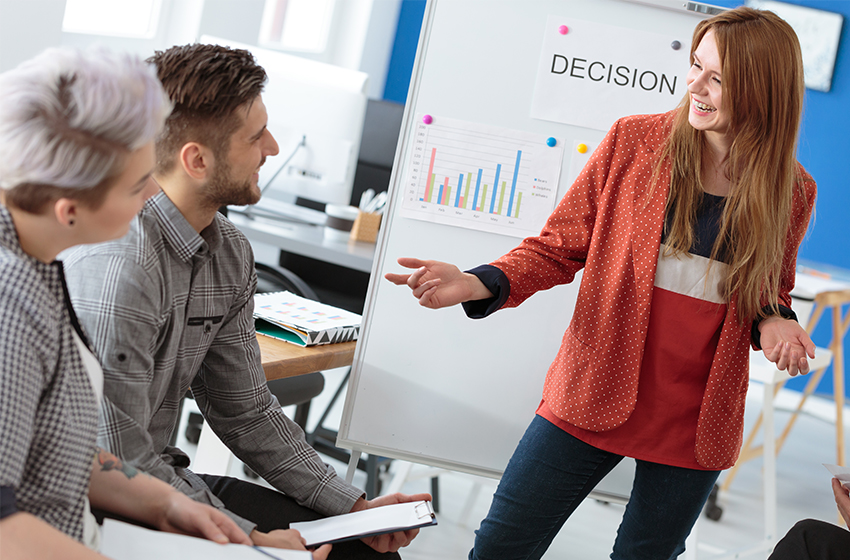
x,y
166,309
48,409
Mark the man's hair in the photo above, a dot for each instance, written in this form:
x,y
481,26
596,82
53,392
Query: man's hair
x,y
206,84
68,121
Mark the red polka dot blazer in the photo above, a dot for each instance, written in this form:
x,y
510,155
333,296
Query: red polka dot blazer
x,y
610,224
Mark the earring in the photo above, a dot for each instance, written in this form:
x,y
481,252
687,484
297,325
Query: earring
x,y
70,222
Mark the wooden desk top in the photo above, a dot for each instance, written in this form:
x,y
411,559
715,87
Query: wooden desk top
x,y
283,359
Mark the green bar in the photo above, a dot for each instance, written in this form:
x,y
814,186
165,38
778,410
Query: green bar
x,y
448,195
466,190
518,200
502,196
431,186
483,196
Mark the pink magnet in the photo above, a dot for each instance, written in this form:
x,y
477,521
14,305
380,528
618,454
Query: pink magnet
x,y
563,30
427,119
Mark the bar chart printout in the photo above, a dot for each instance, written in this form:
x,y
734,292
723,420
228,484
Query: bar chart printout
x,y
481,177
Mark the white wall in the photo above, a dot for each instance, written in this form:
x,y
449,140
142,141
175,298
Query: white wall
x,y
27,28
361,39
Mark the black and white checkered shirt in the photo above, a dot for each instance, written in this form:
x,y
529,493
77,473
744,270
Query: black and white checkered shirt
x,y
166,309
48,410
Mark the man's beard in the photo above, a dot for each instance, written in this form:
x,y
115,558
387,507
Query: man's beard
x,y
224,190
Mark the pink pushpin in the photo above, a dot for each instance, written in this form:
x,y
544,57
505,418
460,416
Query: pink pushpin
x,y
563,30
427,119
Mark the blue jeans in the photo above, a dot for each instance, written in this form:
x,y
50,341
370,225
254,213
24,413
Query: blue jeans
x,y
549,475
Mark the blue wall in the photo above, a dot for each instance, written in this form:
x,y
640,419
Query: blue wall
x,y
824,148
404,50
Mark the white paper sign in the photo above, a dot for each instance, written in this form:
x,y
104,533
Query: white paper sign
x,y
597,73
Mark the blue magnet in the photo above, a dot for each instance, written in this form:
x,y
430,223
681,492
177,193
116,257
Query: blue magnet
x,y
551,142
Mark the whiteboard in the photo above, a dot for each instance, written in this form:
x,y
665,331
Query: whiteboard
x,y
435,387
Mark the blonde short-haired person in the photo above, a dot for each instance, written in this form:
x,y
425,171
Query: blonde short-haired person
x,y
76,155
687,226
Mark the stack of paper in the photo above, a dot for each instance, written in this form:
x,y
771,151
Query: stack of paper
x,y
302,321
122,541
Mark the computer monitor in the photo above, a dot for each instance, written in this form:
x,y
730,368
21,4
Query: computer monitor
x,y
377,147
322,104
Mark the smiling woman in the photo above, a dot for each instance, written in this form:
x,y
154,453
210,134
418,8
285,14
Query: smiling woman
x,y
685,226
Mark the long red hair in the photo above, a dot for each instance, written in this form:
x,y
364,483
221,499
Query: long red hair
x,y
763,89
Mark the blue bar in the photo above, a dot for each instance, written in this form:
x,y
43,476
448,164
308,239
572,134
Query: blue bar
x,y
475,197
513,183
440,195
459,186
495,187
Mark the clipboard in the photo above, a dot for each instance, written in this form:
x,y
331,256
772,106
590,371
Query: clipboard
x,y
367,523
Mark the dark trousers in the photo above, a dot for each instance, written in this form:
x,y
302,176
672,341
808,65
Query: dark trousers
x,y
271,510
551,472
811,539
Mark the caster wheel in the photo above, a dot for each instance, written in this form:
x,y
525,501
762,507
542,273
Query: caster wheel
x,y
714,512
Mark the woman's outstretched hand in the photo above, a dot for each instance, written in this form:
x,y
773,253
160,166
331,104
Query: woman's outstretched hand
x,y
786,344
437,284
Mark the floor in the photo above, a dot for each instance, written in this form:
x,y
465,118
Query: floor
x,y
803,491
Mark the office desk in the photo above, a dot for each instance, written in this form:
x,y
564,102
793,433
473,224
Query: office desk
x,y
283,359
280,359
307,240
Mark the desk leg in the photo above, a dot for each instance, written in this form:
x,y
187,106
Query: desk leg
x,y
769,468
352,465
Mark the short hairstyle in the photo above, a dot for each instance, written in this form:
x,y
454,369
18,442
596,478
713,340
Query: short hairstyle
x,y
69,119
206,84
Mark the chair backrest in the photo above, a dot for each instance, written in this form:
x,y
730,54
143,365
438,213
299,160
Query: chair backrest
x,y
277,279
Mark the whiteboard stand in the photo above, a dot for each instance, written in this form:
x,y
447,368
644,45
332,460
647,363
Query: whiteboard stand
x,y
352,465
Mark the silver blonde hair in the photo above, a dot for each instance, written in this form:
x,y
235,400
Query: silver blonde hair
x,y
69,118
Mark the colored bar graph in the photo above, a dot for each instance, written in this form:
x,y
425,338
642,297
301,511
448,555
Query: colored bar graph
x,y
430,175
475,205
495,186
458,196
502,196
513,183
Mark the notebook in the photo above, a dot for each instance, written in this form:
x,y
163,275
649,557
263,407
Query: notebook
x,y
302,321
